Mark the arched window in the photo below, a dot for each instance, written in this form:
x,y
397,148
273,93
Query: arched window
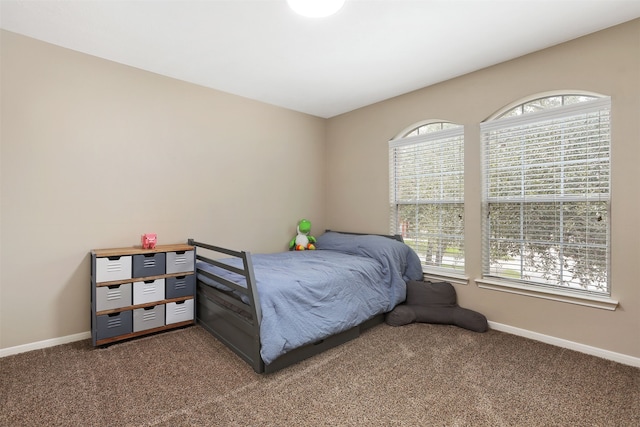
x,y
546,193
427,192
543,103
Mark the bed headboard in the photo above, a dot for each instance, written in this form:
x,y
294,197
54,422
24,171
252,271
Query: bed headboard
x,y
397,237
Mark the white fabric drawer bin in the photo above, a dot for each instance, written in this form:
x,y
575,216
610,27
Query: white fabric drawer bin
x,y
180,311
149,291
113,268
148,318
180,262
111,297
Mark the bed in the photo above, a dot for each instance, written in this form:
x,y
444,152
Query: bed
x,y
274,310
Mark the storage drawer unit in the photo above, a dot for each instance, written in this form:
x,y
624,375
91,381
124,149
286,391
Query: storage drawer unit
x,y
179,311
131,288
148,291
112,297
113,268
145,265
148,317
180,286
180,261
112,325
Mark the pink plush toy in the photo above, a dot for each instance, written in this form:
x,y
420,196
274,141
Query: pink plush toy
x,y
149,240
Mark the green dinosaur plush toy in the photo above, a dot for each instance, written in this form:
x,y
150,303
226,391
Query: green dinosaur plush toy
x,y
302,240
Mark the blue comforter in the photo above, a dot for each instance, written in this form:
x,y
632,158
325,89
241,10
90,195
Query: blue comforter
x,y
310,295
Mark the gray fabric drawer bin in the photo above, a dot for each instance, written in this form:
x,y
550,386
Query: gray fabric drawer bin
x,y
181,286
180,262
112,325
114,296
145,265
148,318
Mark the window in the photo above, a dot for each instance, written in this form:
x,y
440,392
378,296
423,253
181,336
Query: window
x,y
546,194
427,193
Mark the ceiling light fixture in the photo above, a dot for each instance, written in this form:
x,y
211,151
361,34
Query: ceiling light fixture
x,y
315,8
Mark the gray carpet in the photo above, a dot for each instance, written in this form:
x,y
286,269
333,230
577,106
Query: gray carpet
x,y
415,375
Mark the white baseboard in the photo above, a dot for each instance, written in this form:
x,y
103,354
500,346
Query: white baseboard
x,y
44,344
559,342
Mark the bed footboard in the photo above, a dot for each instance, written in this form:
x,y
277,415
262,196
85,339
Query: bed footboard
x,y
224,316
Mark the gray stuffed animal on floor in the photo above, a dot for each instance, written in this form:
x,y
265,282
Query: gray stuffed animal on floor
x,y
435,303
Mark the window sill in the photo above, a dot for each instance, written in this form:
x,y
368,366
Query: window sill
x,y
604,303
445,276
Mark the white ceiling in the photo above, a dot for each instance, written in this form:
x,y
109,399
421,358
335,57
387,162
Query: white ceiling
x,y
370,51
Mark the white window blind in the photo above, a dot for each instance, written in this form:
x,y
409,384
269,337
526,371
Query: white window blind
x,y
427,196
546,197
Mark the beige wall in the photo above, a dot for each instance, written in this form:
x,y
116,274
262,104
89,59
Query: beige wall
x,y
95,153
607,62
